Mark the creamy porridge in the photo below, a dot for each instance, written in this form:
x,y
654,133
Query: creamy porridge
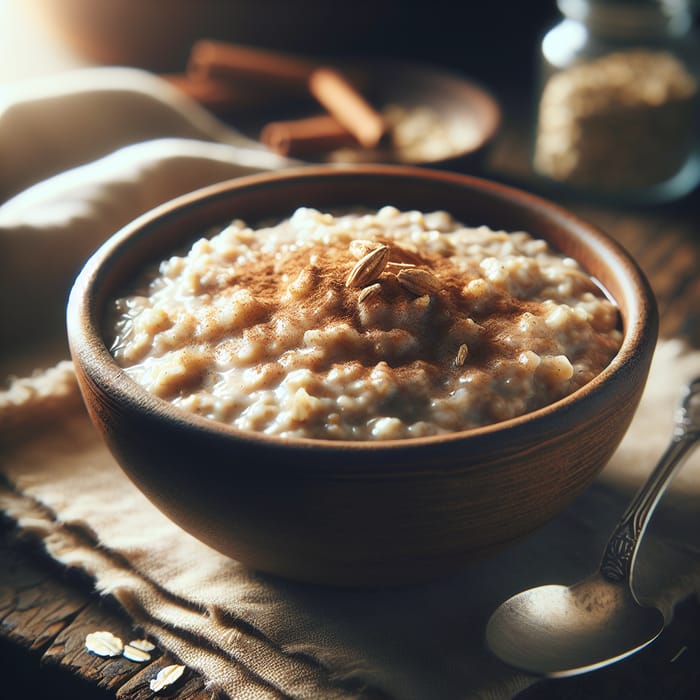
x,y
364,326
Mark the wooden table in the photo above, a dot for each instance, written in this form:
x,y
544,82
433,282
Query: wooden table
x,y
45,611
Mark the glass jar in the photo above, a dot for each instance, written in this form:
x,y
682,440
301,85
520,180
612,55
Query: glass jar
x,y
617,110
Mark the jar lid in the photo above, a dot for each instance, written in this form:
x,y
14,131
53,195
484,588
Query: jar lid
x,y
630,17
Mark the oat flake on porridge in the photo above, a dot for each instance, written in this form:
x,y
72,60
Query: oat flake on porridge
x,y
298,329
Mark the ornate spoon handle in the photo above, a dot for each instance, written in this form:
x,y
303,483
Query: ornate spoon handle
x,y
618,559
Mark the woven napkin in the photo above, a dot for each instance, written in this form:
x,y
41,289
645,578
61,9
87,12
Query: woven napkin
x,y
248,634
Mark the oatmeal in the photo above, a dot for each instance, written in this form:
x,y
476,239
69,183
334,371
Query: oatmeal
x,y
364,326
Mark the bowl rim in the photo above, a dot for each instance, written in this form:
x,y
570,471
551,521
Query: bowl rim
x,y
94,361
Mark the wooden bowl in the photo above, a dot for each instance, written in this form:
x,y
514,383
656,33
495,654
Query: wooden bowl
x,y
358,513
453,119
463,107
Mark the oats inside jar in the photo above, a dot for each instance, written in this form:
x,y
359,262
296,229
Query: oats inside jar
x,y
364,326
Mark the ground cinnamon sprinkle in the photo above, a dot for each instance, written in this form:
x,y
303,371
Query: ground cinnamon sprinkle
x,y
442,328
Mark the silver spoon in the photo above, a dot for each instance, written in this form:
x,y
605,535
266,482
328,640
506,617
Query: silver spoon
x,y
560,631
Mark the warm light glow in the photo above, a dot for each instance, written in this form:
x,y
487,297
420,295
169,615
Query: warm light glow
x,y
27,49
563,42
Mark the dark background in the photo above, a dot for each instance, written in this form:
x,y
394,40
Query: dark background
x,y
492,40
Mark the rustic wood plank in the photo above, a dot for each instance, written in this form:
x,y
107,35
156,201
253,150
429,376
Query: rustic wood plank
x,y
189,687
48,611
68,648
34,607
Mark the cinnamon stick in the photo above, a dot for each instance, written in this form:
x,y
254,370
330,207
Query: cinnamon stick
x,y
334,91
219,95
222,60
308,136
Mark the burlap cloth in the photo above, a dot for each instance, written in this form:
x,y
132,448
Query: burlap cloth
x,y
249,635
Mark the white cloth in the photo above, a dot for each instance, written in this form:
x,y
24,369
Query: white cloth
x,y
48,125
250,635
82,156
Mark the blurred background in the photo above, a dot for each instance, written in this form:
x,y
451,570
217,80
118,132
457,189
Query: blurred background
x,y
491,41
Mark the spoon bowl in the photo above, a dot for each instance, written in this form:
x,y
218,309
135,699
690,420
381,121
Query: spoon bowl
x,y
572,629
559,631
